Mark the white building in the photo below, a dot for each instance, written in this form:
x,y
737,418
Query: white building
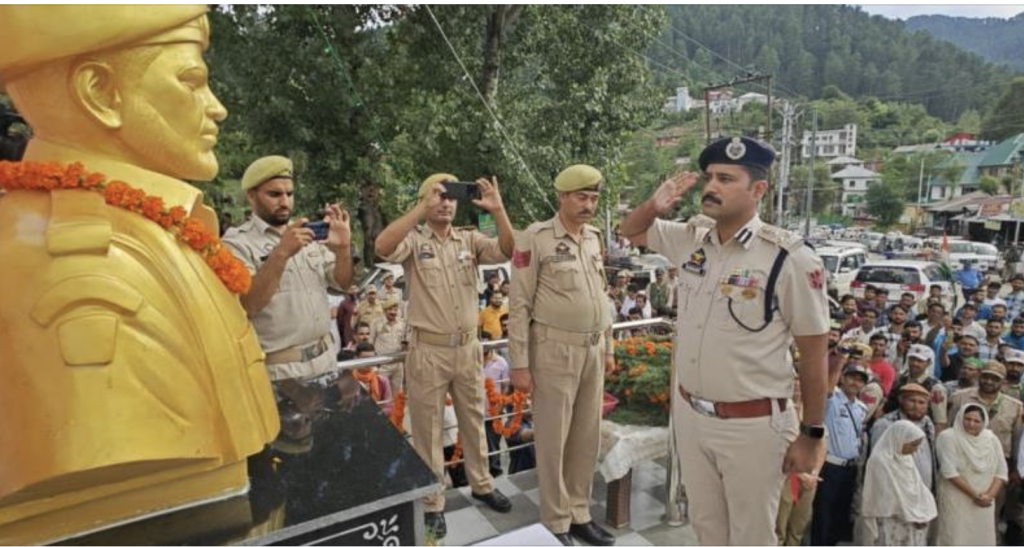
x,y
855,181
831,144
680,102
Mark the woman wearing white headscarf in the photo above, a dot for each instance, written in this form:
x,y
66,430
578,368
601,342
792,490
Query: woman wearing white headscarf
x,y
896,505
973,471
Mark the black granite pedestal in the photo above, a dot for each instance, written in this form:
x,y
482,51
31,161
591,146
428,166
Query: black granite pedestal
x,y
353,481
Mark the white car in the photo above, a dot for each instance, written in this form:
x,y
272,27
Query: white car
x,y
842,264
983,256
900,276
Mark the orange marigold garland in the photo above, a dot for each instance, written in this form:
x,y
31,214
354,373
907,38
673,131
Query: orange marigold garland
x,y
49,176
495,401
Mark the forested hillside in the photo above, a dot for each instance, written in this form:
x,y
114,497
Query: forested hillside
x,y
998,40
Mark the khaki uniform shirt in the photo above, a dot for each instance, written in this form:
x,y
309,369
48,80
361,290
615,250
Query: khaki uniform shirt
x,y
558,282
715,357
298,313
1013,390
442,277
368,313
387,337
1004,416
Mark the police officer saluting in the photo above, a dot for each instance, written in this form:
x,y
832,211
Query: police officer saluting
x,y
560,346
746,290
445,356
287,303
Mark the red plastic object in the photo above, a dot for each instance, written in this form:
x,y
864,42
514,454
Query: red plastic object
x,y
610,402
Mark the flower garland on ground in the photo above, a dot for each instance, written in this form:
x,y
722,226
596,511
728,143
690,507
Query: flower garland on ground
x,y
496,402
49,176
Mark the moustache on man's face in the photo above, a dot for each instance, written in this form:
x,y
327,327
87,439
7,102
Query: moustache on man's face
x,y
712,198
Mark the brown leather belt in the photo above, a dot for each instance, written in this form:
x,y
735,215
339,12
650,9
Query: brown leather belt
x,y
742,409
456,340
298,354
585,339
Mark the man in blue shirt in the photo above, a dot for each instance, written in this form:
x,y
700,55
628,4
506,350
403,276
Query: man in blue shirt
x,y
969,279
844,419
1015,300
1016,336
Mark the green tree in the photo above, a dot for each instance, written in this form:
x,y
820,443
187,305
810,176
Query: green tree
x,y
988,184
1006,118
885,203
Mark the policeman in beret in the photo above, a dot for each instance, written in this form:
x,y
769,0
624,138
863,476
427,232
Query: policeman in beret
x,y
445,356
746,291
288,303
560,347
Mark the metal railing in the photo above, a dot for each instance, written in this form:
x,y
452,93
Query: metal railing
x,y
673,513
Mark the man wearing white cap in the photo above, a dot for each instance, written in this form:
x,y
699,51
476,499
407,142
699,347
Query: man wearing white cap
x,y
919,366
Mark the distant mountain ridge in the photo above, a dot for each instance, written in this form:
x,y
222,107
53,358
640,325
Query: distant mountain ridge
x,y
997,40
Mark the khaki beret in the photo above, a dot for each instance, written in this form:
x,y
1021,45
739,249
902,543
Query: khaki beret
x,y
264,169
432,181
914,389
578,177
35,35
390,303
995,368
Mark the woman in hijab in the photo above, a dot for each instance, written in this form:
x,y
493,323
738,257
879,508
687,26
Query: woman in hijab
x,y
973,470
896,504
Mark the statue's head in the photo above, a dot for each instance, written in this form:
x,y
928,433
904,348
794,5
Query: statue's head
x,y
124,82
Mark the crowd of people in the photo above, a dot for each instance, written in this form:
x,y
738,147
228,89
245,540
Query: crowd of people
x,y
924,423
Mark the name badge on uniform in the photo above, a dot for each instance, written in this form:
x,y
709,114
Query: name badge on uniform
x,y
697,262
426,252
741,284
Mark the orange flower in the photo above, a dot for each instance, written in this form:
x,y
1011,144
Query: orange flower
x,y
649,346
48,176
631,350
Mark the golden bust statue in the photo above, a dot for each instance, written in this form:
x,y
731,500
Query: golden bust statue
x,y
131,381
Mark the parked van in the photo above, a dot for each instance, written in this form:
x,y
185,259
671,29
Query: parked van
x,y
842,265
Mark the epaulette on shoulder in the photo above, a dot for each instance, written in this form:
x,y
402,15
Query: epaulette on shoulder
x,y
592,228
538,227
783,238
79,223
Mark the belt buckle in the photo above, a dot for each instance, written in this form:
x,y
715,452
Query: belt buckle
x,y
595,338
703,407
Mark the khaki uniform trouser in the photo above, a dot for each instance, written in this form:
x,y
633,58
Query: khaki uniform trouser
x,y
732,470
793,519
568,391
434,372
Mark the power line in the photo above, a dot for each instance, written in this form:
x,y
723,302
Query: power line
x,y
494,116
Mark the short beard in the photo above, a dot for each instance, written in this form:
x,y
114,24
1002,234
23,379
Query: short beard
x,y
274,221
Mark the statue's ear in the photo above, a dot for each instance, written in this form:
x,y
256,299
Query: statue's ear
x,y
93,86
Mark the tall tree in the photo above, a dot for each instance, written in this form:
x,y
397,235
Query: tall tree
x,y
885,203
1006,118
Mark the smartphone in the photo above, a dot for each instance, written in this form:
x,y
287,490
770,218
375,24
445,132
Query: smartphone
x,y
320,229
461,190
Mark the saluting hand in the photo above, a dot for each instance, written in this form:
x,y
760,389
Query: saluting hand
x,y
522,380
294,238
672,190
490,198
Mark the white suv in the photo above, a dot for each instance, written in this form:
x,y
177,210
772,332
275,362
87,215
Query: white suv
x,y
842,265
900,276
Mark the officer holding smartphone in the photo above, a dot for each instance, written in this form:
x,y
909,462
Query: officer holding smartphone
x,y
445,356
291,269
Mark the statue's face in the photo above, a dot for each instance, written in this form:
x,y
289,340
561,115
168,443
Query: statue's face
x,y
170,115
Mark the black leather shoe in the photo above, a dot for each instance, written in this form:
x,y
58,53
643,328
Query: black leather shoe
x,y
436,524
565,538
592,534
495,500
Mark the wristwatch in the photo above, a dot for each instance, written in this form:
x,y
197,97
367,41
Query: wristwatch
x,y
812,431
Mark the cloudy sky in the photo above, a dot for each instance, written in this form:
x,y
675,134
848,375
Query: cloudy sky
x,y
909,10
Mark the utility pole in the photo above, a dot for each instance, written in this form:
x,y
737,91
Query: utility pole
x,y
920,184
750,77
809,200
788,117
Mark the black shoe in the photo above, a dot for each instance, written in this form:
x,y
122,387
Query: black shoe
x,y
592,534
565,538
435,524
495,500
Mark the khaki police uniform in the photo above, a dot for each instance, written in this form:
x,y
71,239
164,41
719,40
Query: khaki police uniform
x,y
557,327
725,353
294,328
368,313
387,339
444,352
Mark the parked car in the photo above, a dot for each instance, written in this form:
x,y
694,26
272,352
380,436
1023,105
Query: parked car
x,y
842,264
900,276
870,239
984,256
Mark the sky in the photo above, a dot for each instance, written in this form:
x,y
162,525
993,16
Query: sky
x,y
905,11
